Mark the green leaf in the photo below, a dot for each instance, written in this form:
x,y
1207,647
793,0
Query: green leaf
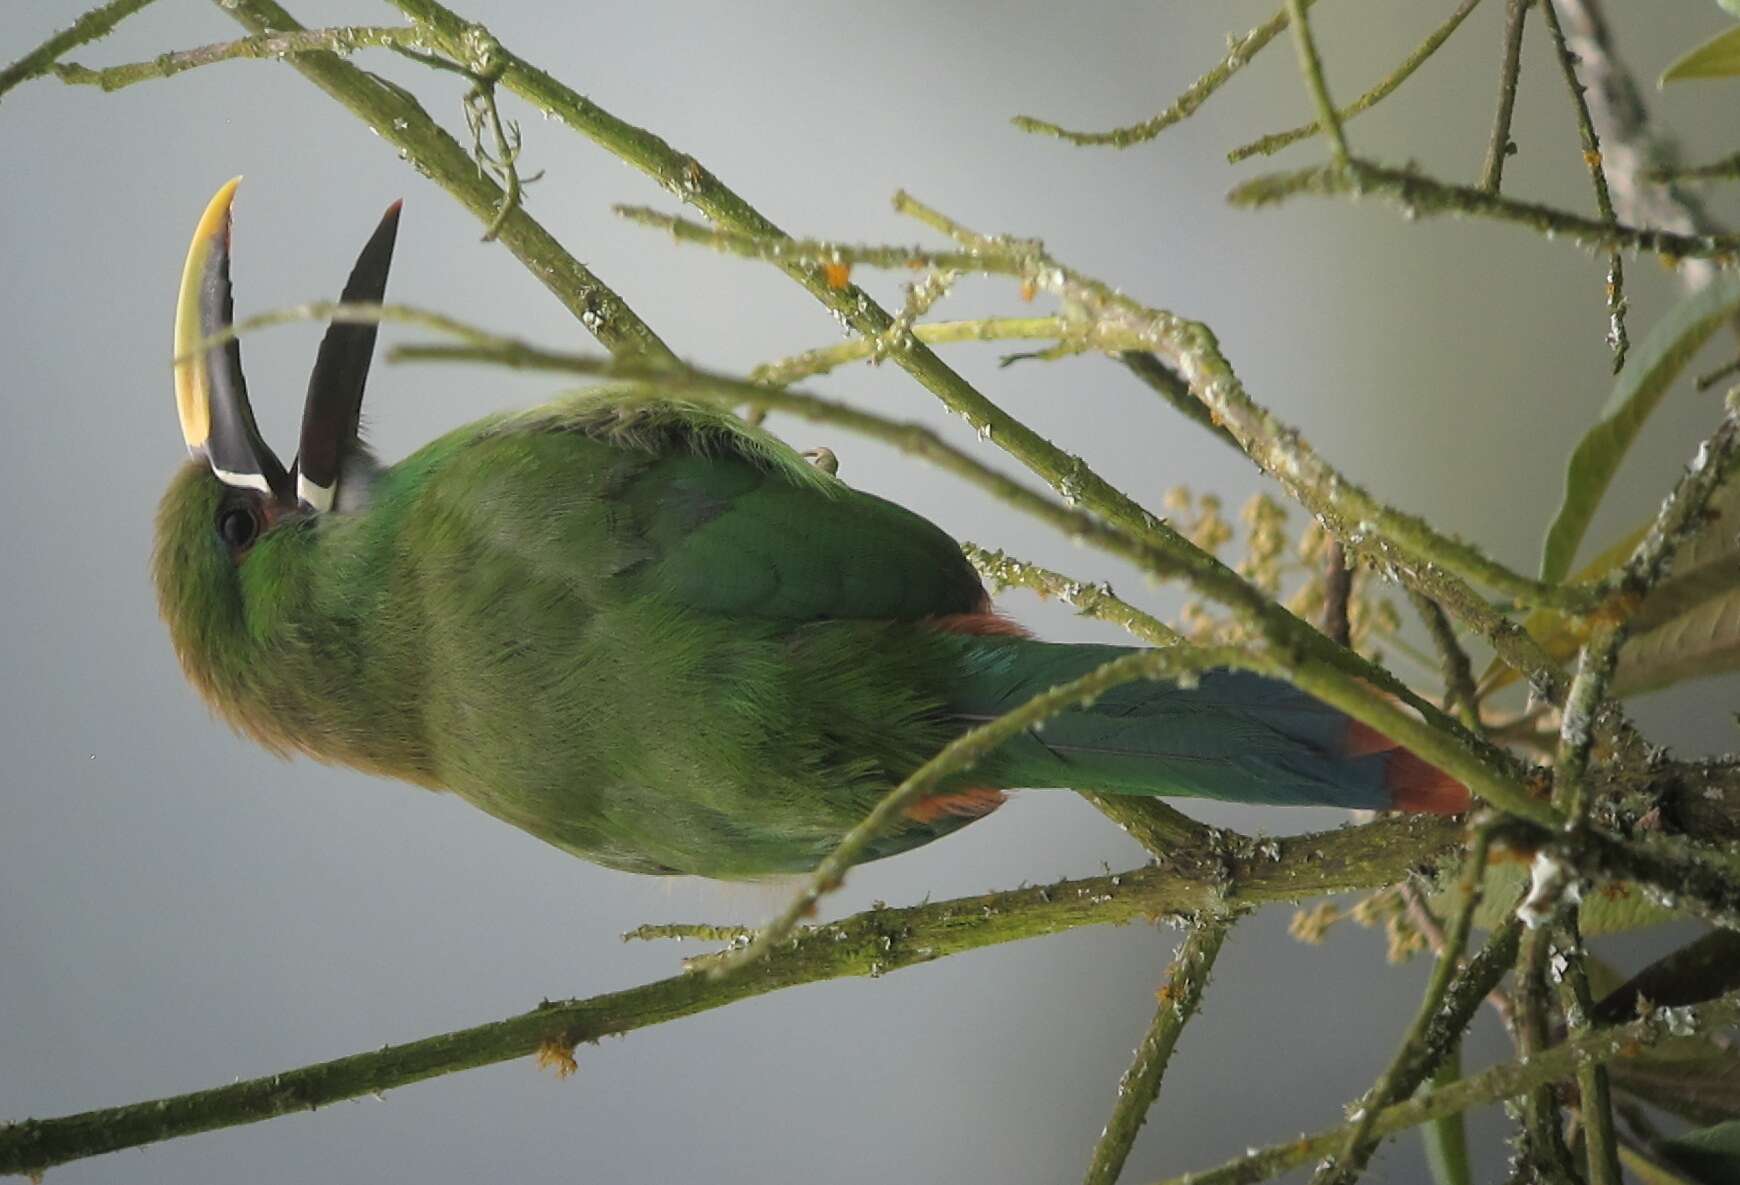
x,y
1648,373
1702,969
1710,1156
1704,642
1688,626
1692,1077
1446,1139
1719,57
1731,7
1614,909
1648,1171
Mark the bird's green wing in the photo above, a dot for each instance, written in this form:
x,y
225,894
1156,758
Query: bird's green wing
x,y
723,518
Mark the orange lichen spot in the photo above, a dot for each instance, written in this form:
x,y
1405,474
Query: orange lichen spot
x,y
1029,290
558,1055
961,804
1592,158
1165,993
837,274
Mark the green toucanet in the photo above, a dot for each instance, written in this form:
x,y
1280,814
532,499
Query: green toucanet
x,y
646,632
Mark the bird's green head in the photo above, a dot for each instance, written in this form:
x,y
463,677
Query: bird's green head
x,y
233,527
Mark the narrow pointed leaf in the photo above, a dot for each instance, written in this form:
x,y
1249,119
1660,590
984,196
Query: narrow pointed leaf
x,y
1719,57
1691,1077
1709,1156
1701,970
1647,1171
1648,373
1704,642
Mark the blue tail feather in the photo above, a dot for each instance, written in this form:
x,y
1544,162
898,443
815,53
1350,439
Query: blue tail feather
x,y
1233,736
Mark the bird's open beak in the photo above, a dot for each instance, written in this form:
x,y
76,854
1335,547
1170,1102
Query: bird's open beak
x,y
210,393
333,409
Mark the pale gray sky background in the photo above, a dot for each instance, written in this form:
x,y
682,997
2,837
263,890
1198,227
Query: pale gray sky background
x,y
178,909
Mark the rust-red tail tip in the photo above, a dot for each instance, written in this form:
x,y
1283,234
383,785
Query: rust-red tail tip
x,y
1418,786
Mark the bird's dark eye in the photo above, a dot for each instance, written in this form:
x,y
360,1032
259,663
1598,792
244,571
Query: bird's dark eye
x,y
239,526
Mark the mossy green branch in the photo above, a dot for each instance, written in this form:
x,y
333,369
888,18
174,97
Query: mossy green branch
x,y
92,25
1501,1082
396,116
963,753
1091,600
1360,519
1070,335
1498,144
1417,1057
342,40
1311,67
1276,141
1179,997
1421,196
1682,516
868,944
689,180
1615,288
1238,55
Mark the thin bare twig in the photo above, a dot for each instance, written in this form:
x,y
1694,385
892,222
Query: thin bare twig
x,y
1138,1090
1275,141
1603,203
1238,54
1499,145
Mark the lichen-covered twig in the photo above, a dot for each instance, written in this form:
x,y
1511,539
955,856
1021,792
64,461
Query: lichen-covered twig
x,y
961,754
342,40
1068,332
1725,169
1092,600
1311,67
686,177
1501,1082
1415,1059
1460,694
1596,1105
693,931
1337,593
1681,516
1238,54
1598,176
1633,147
90,26
1275,141
1178,998
401,121
1499,145
872,943
1543,1133
1423,196
1189,346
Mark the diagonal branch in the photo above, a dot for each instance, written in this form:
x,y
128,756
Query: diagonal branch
x,y
1179,998
400,120
1421,196
871,943
1275,141
96,23
1238,55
